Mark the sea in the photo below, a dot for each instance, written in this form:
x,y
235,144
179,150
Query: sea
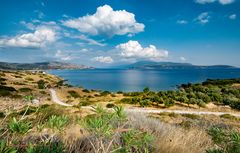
x,y
130,80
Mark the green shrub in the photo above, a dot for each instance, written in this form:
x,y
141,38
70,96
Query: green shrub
x,y
86,90
6,91
58,122
105,93
60,83
226,141
84,103
235,105
25,89
136,141
28,98
216,97
104,123
146,90
73,93
228,116
2,115
46,147
144,103
110,105
29,79
191,116
169,103
41,84
126,100
19,126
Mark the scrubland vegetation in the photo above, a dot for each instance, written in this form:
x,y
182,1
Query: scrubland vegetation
x,y
48,128
220,92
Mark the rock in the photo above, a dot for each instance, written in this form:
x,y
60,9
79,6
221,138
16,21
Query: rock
x,y
35,101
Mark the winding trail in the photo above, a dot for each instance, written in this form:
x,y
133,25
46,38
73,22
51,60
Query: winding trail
x,y
157,111
55,99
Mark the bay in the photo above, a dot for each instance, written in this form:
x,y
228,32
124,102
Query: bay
x,y
135,80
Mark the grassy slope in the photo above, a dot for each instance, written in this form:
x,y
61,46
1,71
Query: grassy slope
x,y
81,130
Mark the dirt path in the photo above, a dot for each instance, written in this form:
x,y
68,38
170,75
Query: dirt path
x,y
156,111
55,99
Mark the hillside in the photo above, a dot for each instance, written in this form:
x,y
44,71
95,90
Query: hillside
x,y
171,65
40,66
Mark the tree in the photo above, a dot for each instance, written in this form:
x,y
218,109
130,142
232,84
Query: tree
x,y
146,90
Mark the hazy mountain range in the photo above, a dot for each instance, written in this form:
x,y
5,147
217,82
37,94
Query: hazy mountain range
x,y
171,65
138,65
41,66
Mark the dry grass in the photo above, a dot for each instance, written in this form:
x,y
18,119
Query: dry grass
x,y
170,138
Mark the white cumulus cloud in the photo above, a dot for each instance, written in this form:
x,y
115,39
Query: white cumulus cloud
x,y
132,49
183,58
203,18
107,22
233,16
182,22
223,2
42,36
62,56
103,59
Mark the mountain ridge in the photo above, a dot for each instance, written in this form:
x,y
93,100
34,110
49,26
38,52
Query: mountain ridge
x,y
41,66
171,65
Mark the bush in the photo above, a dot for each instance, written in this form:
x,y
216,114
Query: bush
x,y
216,97
228,116
47,147
86,90
60,83
105,93
144,103
235,105
136,141
2,115
146,90
191,116
84,103
41,84
21,126
74,94
169,103
25,89
110,105
226,141
6,91
28,98
29,79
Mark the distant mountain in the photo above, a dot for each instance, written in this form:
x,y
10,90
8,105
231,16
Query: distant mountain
x,y
171,65
41,66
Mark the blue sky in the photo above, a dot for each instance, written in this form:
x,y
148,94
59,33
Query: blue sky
x,y
113,32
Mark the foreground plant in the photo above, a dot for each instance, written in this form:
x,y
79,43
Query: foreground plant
x,y
58,122
4,148
20,126
226,141
113,133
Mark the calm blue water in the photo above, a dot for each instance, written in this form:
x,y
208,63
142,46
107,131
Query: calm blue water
x,y
136,80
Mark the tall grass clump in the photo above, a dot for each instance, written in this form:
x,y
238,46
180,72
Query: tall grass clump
x,y
20,126
226,141
57,122
111,132
4,148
